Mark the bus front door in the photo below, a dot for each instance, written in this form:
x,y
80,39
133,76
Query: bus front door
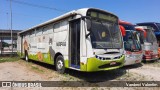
x,y
74,43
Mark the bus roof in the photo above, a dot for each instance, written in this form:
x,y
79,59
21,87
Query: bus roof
x,y
147,23
71,13
124,22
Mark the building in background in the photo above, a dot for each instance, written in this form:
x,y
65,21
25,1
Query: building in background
x,y
6,44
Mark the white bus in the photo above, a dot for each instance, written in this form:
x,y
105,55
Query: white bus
x,y
86,39
133,51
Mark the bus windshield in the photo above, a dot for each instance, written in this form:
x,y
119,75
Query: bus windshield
x,y
150,36
105,34
131,41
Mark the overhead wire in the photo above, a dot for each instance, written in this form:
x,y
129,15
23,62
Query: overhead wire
x,y
38,6
32,5
20,14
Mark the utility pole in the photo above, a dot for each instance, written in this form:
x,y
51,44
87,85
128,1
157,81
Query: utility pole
x,y
11,25
1,46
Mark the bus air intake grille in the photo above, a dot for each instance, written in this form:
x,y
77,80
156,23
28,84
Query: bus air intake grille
x,y
109,65
102,58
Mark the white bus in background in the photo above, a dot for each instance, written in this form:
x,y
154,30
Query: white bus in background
x,y
149,42
133,51
86,39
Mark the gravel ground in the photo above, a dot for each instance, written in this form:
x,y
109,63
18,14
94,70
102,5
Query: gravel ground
x,y
35,71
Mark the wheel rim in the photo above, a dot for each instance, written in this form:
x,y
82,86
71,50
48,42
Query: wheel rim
x,y
59,64
26,58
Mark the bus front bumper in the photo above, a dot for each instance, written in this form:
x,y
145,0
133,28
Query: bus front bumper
x,y
132,60
150,57
94,64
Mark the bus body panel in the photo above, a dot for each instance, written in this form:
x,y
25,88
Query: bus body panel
x,y
150,51
133,58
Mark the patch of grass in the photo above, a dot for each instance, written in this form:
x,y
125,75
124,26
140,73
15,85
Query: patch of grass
x,y
37,69
9,59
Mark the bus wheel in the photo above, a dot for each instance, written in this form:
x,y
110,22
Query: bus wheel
x,y
26,56
60,64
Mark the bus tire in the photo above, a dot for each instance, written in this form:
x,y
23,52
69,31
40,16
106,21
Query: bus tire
x,y
26,56
60,66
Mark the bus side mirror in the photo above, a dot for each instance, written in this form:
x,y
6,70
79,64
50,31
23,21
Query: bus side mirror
x,y
89,24
123,31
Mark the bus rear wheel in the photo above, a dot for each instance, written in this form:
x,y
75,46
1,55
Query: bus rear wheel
x,y
60,67
26,56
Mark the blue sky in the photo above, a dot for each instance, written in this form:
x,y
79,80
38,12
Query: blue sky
x,y
25,16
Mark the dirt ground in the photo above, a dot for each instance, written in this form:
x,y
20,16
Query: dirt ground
x,y
35,71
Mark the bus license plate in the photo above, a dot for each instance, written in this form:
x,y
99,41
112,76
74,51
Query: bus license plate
x,y
112,63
